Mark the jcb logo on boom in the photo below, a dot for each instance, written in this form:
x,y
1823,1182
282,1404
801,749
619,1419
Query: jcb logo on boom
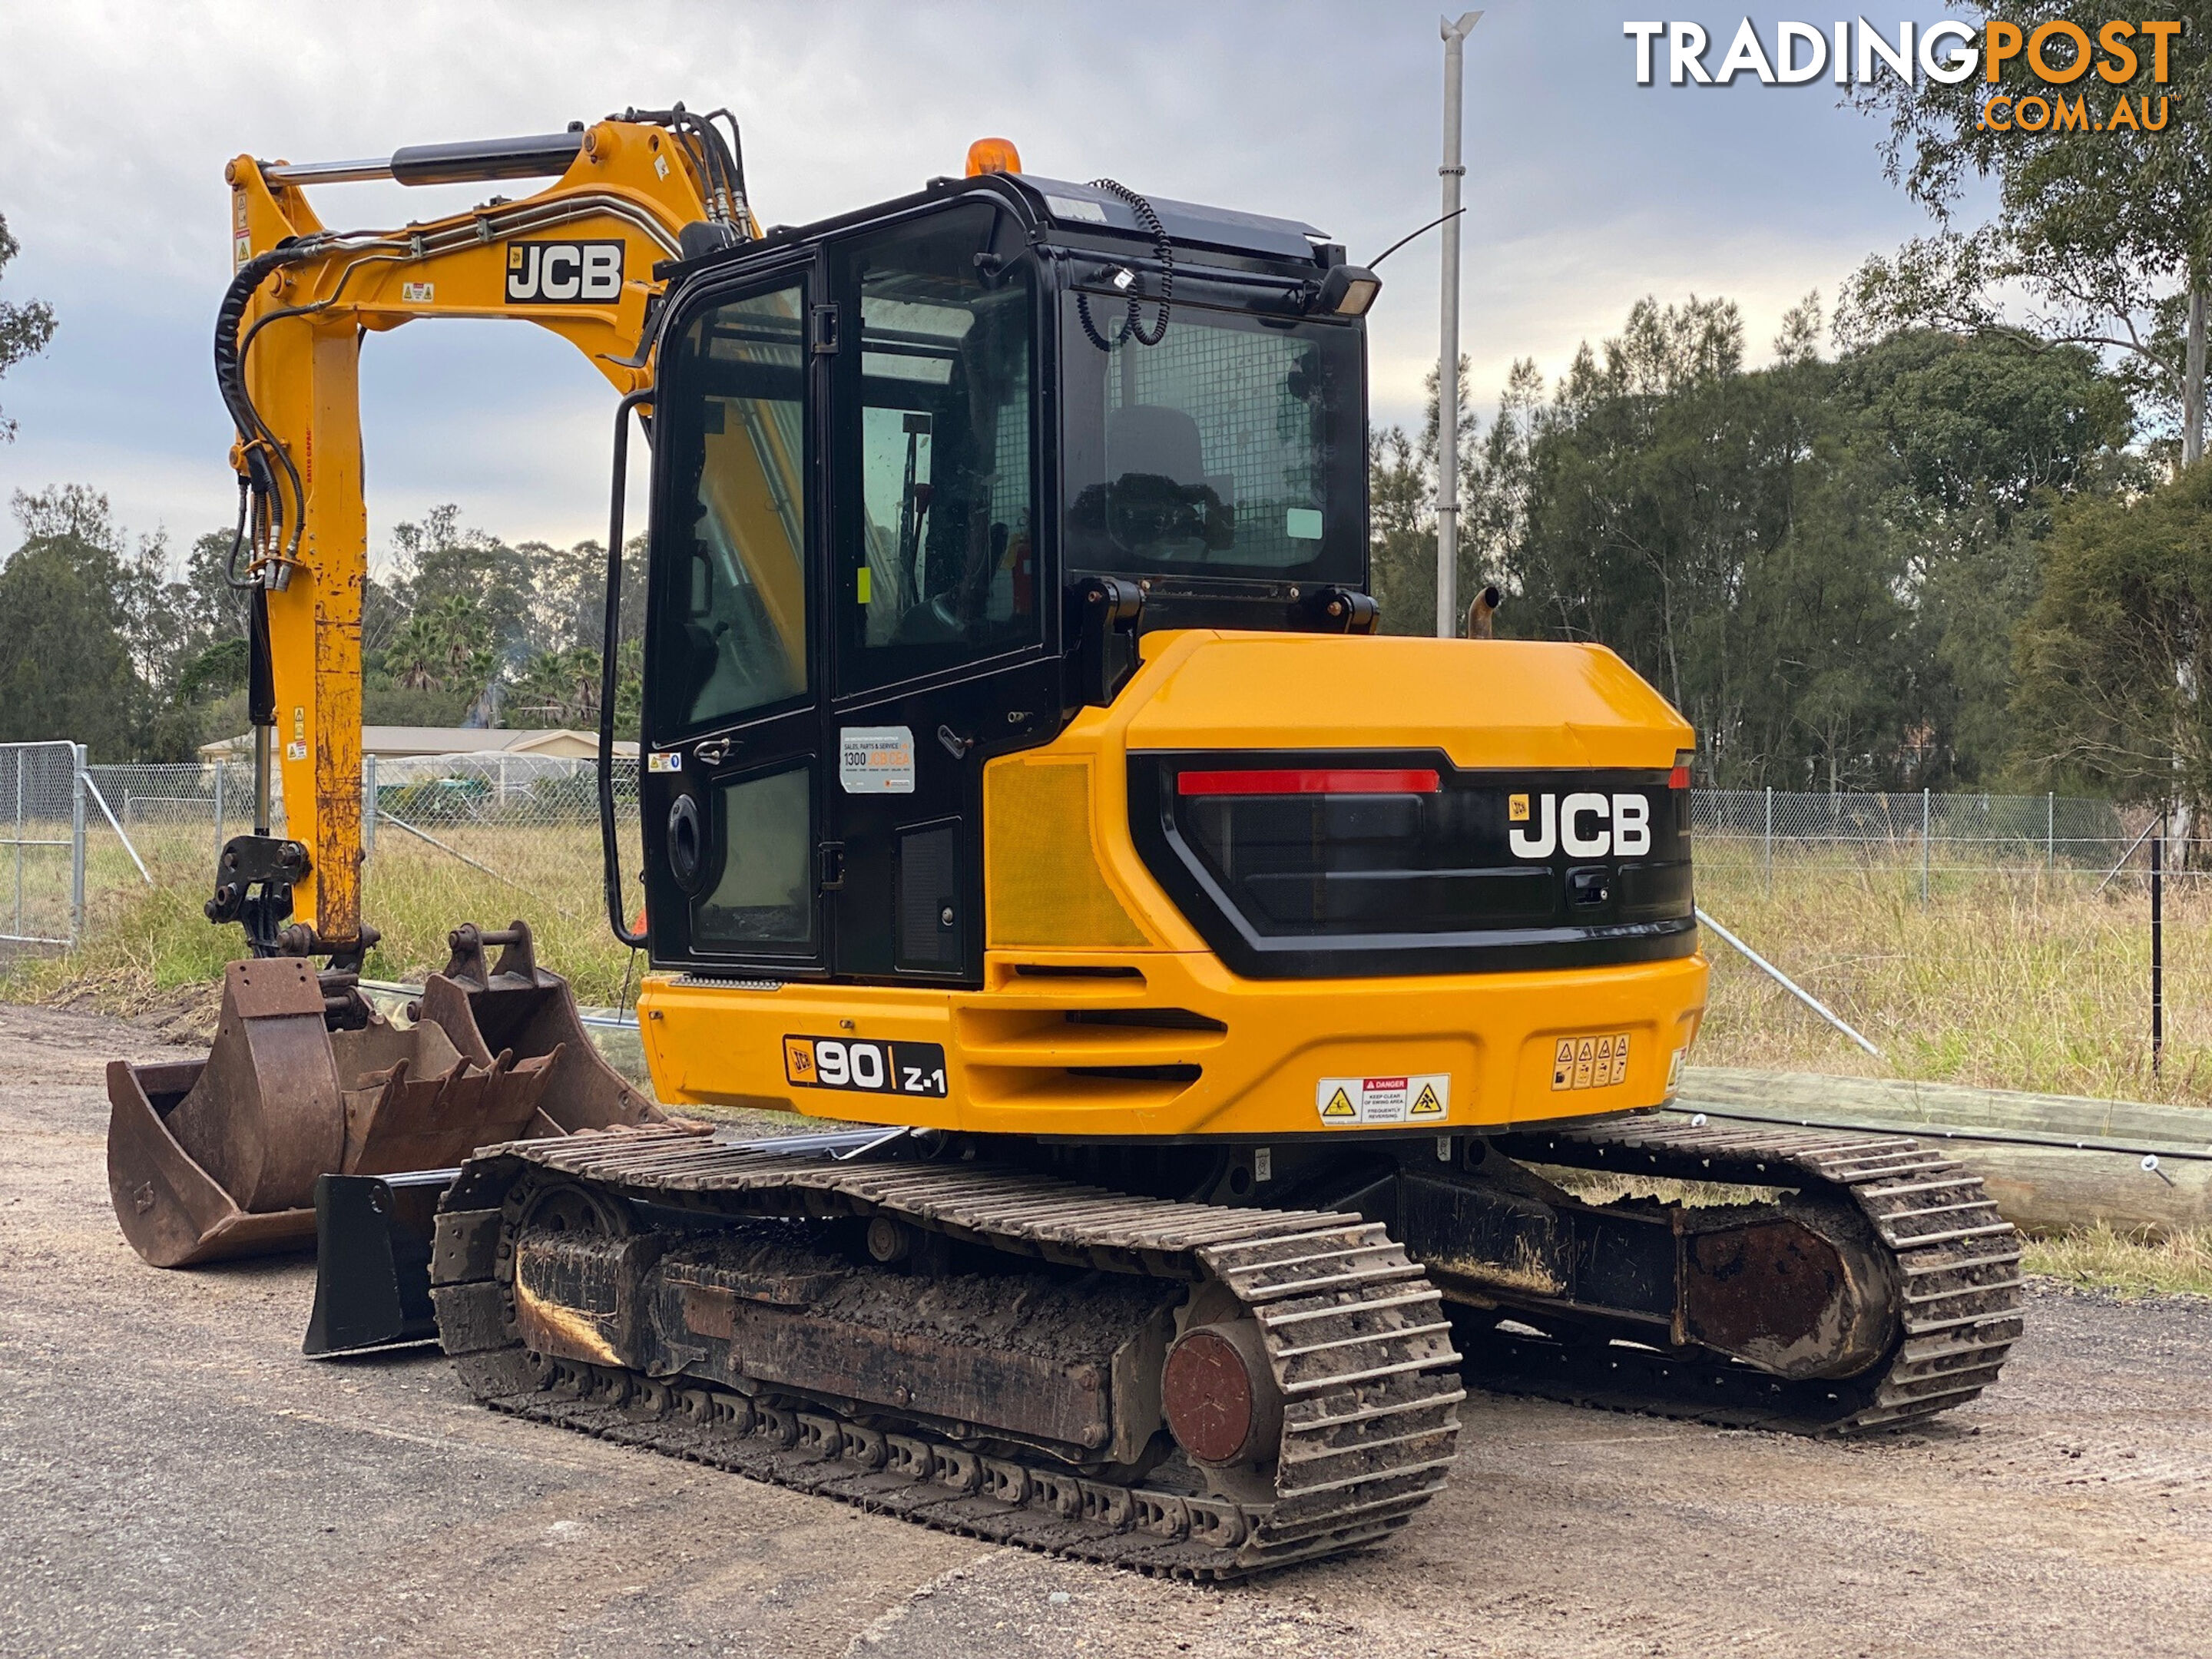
x,y
564,273
1583,826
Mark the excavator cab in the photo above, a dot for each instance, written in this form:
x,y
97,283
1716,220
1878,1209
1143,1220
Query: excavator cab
x,y
921,475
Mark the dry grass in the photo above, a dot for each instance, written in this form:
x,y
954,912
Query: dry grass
x,y
2006,980
147,945
2022,980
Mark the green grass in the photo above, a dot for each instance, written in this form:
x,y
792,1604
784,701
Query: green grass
x,y
2099,1258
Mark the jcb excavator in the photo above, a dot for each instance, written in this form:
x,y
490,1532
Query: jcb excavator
x,y
1230,1018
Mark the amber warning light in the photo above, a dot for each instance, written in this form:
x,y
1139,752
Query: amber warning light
x,y
993,156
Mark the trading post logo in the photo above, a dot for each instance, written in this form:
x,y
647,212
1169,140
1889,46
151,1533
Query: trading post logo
x,y
2118,64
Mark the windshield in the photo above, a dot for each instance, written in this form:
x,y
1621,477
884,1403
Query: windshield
x,y
1232,448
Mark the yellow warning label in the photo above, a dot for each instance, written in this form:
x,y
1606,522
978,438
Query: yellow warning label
x,y
1517,808
1346,1103
1591,1062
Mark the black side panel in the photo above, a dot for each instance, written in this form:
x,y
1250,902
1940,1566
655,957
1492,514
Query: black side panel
x,y
931,904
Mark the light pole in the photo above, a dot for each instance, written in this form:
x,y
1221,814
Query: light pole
x,y
1454,37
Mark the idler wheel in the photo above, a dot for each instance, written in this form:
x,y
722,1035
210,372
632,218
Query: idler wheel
x,y
1222,1402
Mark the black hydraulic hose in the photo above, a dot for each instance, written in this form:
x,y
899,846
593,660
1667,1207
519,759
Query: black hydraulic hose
x,y
257,441
230,362
737,157
1132,326
610,644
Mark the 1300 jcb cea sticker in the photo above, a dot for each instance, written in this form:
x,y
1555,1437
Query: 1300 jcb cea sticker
x,y
1349,1101
874,1068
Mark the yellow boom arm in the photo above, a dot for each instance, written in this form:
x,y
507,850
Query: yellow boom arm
x,y
576,258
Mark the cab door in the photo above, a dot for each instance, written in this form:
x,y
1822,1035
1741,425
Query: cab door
x,y
731,782
939,592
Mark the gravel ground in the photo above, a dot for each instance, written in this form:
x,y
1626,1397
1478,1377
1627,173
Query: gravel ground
x,y
174,1479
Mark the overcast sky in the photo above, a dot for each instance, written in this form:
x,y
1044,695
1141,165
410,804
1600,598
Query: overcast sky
x,y
1585,190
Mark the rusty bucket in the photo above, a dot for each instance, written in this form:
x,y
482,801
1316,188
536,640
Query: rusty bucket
x,y
215,1159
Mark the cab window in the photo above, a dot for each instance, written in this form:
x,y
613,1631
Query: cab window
x,y
939,565
731,555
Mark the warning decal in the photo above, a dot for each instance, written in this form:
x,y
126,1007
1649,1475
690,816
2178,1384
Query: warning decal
x,y
1591,1062
1349,1101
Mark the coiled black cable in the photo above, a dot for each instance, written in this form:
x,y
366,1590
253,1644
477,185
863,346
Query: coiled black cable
x,y
1131,323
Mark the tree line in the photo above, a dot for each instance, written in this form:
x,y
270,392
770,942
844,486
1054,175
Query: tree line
x,y
114,642
1824,563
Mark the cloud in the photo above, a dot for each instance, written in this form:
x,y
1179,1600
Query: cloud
x,y
1584,192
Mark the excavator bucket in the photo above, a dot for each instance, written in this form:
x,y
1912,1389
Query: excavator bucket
x,y
217,1158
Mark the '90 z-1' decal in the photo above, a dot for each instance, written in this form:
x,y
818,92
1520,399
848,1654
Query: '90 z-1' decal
x,y
564,273
875,1068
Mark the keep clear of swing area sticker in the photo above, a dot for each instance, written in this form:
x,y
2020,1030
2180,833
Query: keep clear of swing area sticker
x,y
1346,1103
875,760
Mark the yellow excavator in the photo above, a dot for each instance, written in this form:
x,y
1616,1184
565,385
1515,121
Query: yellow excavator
x,y
1233,1026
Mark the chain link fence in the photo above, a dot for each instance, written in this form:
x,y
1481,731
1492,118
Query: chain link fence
x,y
42,833
1921,832
532,818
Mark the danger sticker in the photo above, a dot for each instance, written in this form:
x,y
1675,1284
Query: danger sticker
x,y
875,760
1348,1102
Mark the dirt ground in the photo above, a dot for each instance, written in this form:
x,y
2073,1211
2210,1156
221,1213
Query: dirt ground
x,y
175,1479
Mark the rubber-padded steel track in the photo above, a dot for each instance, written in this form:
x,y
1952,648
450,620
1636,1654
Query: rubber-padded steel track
x,y
1357,1337
1956,1263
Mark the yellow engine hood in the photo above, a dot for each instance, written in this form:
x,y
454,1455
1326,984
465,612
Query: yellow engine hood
x,y
1514,703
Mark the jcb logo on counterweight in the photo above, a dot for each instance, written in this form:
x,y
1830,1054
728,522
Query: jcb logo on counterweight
x,y
564,273
1589,826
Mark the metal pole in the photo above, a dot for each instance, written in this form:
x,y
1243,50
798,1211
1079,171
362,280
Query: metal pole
x,y
2050,830
1789,984
76,843
1923,849
367,805
1770,841
220,768
2157,944
1454,38
262,791
20,753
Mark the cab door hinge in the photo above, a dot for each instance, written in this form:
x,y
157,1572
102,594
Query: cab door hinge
x,y
823,330
831,856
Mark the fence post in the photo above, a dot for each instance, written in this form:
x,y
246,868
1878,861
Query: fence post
x,y
20,753
367,803
76,843
1923,849
2050,831
1769,861
2157,945
221,769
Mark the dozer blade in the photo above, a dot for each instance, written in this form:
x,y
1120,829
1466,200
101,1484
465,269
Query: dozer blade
x,y
373,1237
217,1158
